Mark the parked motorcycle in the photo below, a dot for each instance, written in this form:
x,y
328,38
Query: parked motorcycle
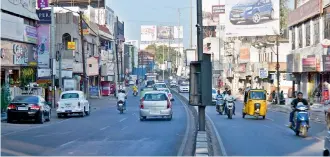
x,y
220,105
121,107
300,120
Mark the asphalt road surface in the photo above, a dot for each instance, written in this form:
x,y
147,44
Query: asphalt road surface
x,y
105,132
269,137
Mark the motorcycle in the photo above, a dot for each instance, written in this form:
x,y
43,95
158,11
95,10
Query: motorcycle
x,y
229,108
121,107
220,105
135,93
300,119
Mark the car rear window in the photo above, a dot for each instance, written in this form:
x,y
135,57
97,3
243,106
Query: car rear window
x,y
70,96
26,99
155,97
184,84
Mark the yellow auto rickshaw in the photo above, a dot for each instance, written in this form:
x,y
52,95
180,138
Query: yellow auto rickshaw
x,y
255,103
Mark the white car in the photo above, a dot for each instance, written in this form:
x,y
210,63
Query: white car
x,y
160,86
155,104
173,84
131,82
72,102
169,94
183,87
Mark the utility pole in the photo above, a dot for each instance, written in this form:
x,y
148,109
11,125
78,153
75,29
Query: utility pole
x,y
191,6
206,72
53,61
277,71
179,43
169,49
60,46
164,63
83,53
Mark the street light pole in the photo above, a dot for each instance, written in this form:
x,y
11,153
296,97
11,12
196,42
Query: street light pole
x,y
277,71
164,63
83,52
53,62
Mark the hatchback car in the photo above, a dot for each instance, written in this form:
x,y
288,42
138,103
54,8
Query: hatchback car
x,y
251,11
155,104
169,94
73,102
183,87
160,86
26,107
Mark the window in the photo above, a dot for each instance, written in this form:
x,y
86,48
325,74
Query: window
x,y
26,99
70,96
308,33
65,39
327,25
257,95
316,30
293,38
29,22
300,37
155,97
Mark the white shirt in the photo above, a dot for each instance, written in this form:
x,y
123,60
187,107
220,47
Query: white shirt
x,y
121,97
229,98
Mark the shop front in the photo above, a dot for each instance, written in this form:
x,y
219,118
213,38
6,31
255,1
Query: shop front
x,y
93,76
325,76
18,63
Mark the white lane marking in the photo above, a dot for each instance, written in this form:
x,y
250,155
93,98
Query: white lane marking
x,y
65,144
124,127
185,138
222,146
270,119
52,134
319,138
122,119
105,128
266,126
4,150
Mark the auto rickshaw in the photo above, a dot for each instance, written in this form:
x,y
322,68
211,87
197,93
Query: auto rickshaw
x,y
255,103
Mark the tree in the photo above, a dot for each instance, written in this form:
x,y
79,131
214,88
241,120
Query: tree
x,y
158,51
284,12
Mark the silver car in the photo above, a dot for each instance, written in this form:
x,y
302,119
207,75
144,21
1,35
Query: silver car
x,y
155,104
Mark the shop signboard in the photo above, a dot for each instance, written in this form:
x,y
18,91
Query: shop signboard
x,y
15,53
263,73
309,64
42,4
30,34
44,16
326,63
93,91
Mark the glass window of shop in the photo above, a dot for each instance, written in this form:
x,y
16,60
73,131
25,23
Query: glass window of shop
x,y
327,23
316,30
300,36
308,33
293,38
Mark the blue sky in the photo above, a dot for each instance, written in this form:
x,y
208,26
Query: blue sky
x,y
154,12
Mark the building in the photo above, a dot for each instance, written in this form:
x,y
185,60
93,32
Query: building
x,y
19,44
308,61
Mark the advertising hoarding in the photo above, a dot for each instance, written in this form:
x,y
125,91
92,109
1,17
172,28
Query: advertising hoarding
x,y
43,46
252,17
211,11
148,33
244,55
191,55
30,34
165,32
326,62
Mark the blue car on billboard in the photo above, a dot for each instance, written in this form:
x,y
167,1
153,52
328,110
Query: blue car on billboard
x,y
251,11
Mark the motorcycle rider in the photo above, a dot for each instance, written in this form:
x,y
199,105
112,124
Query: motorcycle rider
x,y
225,92
229,97
219,96
135,88
121,97
294,105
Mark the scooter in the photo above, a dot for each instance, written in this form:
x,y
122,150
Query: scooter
x,y
229,108
300,119
135,93
220,105
121,107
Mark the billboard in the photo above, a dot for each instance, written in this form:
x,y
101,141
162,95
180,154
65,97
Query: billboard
x,y
211,11
252,17
148,33
191,55
165,32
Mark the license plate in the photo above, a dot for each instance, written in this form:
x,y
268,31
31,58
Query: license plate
x,y
22,108
68,111
154,112
236,16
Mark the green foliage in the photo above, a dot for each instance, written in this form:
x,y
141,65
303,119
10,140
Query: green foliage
x,y
5,96
284,12
167,51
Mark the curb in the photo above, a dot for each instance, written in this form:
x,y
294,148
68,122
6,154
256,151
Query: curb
x,y
203,144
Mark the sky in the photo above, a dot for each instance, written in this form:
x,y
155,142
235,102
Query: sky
x,y
135,13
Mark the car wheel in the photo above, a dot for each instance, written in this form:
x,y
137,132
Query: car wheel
x,y
169,118
326,153
234,22
89,111
48,118
256,18
143,118
271,16
59,115
9,119
41,118
82,114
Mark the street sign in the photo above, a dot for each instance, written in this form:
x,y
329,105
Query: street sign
x,y
263,73
71,45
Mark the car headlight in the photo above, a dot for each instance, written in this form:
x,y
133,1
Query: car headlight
x,y
248,8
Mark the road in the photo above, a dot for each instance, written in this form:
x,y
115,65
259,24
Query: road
x,y
104,133
269,137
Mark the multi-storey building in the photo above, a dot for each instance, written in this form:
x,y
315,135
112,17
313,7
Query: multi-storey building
x,y
308,61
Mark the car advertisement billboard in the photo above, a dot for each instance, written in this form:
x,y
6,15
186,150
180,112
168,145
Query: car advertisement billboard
x,y
252,17
165,32
148,33
211,11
